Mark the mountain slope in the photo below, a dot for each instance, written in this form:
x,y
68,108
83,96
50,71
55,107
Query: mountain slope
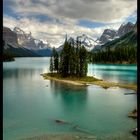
x,y
107,36
129,39
110,34
43,52
19,52
18,43
125,28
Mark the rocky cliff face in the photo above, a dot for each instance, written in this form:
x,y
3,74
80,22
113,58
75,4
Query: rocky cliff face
x,y
125,28
27,41
107,36
9,36
24,39
126,34
135,27
19,43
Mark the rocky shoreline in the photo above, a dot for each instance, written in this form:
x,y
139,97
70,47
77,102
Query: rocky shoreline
x,y
133,114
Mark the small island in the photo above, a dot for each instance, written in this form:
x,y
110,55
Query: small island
x,y
70,66
87,81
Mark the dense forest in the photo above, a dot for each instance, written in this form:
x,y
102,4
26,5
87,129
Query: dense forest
x,y
127,54
120,50
72,60
7,57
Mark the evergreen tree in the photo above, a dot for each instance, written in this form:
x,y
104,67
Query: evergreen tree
x,y
83,61
51,65
119,54
65,60
72,61
56,59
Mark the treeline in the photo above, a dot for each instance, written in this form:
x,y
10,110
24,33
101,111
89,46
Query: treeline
x,y
7,57
72,60
118,55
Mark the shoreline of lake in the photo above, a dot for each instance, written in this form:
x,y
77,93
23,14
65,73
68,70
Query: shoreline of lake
x,y
95,81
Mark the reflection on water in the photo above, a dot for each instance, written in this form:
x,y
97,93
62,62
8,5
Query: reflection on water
x,y
31,104
21,73
70,96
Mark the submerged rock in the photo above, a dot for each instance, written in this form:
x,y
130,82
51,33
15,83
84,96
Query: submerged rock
x,y
129,93
134,132
61,122
133,114
105,87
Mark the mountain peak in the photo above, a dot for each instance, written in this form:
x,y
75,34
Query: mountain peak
x,y
125,28
9,36
107,35
18,30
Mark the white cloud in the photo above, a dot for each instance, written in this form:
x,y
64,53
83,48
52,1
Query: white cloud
x,y
68,12
53,33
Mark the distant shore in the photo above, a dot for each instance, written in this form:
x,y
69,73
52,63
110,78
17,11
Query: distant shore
x,y
87,80
8,59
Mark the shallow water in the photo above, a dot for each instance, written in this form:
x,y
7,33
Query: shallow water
x,y
31,104
122,73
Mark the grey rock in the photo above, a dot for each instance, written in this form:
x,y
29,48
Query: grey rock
x,y
125,28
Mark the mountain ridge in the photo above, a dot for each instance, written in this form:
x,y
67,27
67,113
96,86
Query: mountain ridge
x,y
20,40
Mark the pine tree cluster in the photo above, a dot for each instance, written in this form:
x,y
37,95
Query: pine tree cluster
x,y
119,54
72,60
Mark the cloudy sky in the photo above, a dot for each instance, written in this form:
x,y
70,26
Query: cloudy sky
x,y
51,20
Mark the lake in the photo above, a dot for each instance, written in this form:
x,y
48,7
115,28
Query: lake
x,y
31,104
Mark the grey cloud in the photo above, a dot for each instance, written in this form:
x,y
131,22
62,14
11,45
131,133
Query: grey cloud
x,y
95,10
68,12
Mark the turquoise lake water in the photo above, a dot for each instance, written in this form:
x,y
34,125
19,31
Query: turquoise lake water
x,y
31,104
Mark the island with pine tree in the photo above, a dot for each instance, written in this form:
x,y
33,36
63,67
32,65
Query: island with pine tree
x,y
70,66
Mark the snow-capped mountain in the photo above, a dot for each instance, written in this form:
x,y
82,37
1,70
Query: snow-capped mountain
x,y
27,41
9,37
21,39
108,35
11,46
125,28
88,42
24,41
